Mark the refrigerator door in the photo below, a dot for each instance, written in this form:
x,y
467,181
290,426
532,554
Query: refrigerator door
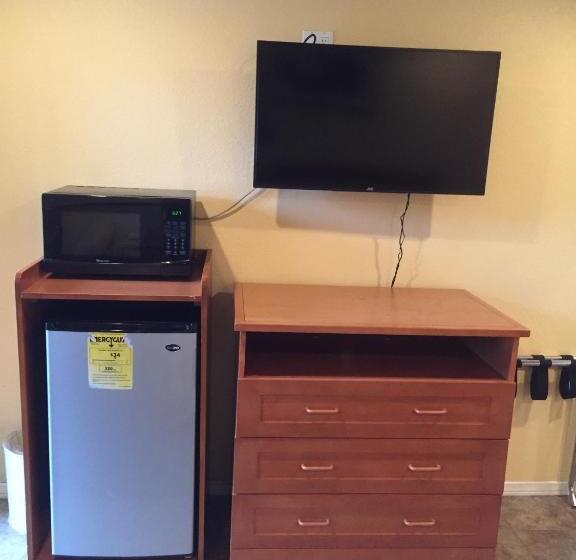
x,y
122,461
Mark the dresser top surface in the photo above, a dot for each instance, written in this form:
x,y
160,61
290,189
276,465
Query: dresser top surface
x,y
364,310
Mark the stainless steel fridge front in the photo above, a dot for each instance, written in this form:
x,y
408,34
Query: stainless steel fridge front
x,y
122,439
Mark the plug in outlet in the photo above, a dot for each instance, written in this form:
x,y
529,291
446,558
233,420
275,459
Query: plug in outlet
x,y
322,37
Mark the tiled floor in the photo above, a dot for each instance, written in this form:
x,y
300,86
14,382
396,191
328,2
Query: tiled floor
x,y
535,528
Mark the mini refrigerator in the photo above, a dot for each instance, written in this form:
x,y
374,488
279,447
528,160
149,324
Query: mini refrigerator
x,y
122,438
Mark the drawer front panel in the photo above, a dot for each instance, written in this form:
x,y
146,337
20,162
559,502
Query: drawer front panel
x,y
380,554
383,408
364,521
307,466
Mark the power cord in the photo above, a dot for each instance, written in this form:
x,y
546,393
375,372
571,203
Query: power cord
x,y
231,210
401,239
311,36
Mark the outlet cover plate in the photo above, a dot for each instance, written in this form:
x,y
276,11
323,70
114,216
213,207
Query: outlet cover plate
x,y
322,37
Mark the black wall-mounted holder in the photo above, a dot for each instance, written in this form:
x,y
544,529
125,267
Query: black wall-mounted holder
x,y
539,377
568,379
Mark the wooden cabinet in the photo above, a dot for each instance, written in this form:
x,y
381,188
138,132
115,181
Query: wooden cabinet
x,y
371,423
41,297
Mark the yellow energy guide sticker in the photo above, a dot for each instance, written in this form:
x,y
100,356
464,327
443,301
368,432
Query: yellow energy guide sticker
x,y
110,361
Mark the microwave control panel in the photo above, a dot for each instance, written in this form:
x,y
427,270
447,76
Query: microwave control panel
x,y
175,238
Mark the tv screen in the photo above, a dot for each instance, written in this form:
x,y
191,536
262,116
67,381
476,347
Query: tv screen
x,y
382,119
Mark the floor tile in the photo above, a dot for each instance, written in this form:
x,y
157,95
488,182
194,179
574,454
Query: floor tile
x,y
538,513
510,547
549,545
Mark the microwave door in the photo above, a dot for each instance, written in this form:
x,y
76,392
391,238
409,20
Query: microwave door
x,y
102,236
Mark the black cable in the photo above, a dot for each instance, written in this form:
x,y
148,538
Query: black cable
x,y
311,36
401,239
230,210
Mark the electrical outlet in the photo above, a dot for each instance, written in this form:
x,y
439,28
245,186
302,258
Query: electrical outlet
x,y
322,37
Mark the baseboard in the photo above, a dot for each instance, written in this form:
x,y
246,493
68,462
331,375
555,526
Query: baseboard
x,y
219,488
3,490
536,488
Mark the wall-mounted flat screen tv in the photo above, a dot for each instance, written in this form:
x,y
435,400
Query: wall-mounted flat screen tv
x,y
353,118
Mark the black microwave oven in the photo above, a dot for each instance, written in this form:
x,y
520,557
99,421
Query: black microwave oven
x,y
118,231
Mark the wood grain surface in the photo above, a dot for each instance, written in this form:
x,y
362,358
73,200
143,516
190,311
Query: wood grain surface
x,y
364,466
375,554
353,355
365,521
363,310
51,286
374,408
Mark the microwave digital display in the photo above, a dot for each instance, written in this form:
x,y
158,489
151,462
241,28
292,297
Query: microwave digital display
x,y
101,234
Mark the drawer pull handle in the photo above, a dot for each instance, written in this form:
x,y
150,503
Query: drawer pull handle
x,y
430,523
434,468
437,412
323,523
334,410
317,467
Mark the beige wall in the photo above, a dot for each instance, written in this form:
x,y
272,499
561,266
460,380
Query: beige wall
x,y
160,93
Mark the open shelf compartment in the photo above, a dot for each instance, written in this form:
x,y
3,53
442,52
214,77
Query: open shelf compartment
x,y
355,355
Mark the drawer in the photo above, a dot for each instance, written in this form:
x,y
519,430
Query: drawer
x,y
381,408
376,554
364,521
401,466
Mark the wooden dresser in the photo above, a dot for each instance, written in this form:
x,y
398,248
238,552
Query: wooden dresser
x,y
371,424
